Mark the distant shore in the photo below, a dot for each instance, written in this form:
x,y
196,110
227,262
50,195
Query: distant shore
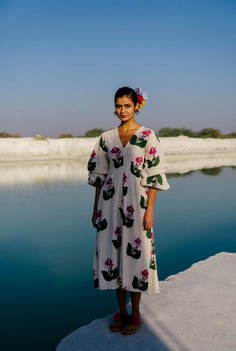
x,y
23,149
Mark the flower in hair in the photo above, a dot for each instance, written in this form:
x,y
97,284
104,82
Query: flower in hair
x,y
141,97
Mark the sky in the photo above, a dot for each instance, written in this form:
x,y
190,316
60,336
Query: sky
x,y
61,62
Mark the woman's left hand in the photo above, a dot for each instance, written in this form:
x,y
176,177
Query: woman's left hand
x,y
148,219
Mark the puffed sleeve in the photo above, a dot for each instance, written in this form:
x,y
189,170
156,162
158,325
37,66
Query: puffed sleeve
x,y
153,172
98,163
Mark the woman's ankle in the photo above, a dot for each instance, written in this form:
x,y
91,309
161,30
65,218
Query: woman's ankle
x,y
123,312
135,314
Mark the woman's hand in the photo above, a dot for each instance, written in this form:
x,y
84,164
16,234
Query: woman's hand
x,y
148,219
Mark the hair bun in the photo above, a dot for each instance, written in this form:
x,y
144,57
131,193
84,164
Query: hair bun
x,y
141,97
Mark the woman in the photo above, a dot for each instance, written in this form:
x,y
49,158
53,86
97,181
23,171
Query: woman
x,y
125,162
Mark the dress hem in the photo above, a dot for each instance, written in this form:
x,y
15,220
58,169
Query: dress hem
x,y
132,290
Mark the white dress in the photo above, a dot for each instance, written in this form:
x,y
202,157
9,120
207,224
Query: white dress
x,y
124,253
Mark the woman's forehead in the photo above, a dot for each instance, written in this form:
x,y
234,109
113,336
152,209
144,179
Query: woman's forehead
x,y
124,100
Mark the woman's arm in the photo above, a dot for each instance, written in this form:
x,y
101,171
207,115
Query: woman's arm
x,y
148,218
95,206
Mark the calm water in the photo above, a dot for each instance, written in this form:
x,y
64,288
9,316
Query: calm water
x,y
47,241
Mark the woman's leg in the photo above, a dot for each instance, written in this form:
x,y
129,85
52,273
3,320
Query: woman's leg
x,y
117,324
130,327
121,297
135,300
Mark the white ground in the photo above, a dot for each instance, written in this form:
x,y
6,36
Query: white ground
x,y
18,149
195,311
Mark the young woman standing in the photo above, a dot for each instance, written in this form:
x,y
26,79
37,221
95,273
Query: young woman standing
x,y
125,162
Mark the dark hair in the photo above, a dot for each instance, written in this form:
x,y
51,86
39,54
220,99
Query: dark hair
x,y
128,92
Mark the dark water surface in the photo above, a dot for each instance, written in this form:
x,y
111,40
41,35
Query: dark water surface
x,y
47,242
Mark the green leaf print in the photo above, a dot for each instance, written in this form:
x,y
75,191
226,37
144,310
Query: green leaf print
x,y
108,193
155,179
139,284
138,141
135,170
117,243
101,225
102,144
110,275
127,221
143,202
98,180
118,162
125,190
91,165
154,162
133,252
152,264
156,134
148,233
153,247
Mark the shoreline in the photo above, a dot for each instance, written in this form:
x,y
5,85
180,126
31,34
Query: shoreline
x,y
31,172
24,149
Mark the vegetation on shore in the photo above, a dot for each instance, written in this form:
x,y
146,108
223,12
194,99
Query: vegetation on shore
x,y
162,132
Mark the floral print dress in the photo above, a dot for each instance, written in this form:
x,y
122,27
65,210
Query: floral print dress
x,y
124,253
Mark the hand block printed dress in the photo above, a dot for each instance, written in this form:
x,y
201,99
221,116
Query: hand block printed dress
x,y
124,254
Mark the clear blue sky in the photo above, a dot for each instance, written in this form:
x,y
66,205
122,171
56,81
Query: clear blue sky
x,y
62,61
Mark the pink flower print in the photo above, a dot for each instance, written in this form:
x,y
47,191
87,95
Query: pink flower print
x,y
124,288
138,241
108,262
146,132
145,273
152,150
93,154
99,213
139,160
109,181
130,209
124,178
146,192
115,150
118,231
152,235
152,253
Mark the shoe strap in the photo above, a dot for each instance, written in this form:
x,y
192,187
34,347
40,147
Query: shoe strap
x,y
116,316
135,320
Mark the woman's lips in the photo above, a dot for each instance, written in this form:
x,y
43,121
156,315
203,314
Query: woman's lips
x,y
123,115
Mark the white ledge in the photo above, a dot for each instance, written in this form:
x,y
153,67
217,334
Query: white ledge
x,y
195,310
22,149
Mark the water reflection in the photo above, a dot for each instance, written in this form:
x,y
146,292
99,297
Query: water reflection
x,y
46,172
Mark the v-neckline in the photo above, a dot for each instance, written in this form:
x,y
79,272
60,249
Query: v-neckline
x,y
124,147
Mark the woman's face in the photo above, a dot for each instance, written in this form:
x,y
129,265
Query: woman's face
x,y
125,108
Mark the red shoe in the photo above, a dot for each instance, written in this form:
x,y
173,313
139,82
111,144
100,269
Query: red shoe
x,y
119,321
133,326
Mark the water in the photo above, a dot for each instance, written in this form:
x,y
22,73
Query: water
x,y
47,241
